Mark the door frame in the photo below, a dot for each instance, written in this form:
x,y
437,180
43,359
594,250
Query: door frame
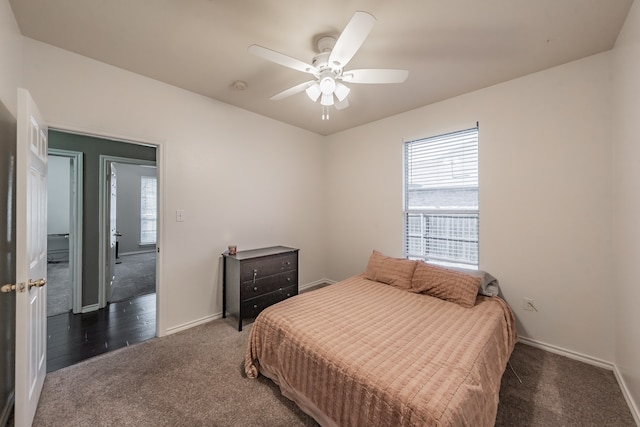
x,y
75,224
160,145
103,219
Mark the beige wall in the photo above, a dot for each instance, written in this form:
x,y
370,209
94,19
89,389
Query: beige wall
x,y
547,184
241,178
10,58
626,192
545,196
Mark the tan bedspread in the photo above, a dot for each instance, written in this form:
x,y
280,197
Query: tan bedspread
x,y
362,353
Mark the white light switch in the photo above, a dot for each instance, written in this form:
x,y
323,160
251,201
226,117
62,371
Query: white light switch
x,y
180,216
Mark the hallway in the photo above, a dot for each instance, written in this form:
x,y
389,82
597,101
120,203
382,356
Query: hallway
x,y
72,338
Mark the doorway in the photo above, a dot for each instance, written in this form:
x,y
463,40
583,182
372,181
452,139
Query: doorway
x,y
7,261
105,324
64,232
129,223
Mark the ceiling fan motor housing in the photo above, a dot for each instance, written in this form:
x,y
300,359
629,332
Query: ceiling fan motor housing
x,y
327,66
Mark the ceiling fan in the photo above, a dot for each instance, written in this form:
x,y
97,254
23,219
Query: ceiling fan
x,y
328,66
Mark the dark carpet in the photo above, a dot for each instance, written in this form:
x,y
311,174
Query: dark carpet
x,y
135,276
58,288
196,378
558,391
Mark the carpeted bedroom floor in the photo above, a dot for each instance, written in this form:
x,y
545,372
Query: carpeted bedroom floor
x,y
196,378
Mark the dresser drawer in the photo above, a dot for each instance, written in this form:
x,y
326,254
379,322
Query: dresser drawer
x,y
256,278
268,266
268,284
252,307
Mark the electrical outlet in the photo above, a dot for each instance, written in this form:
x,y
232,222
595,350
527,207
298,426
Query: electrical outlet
x,y
527,304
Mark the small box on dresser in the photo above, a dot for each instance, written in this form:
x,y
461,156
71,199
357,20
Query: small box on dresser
x,y
255,279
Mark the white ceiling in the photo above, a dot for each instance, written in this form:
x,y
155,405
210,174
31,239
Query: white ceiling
x,y
450,47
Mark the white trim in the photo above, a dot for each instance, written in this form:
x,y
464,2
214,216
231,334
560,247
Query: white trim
x,y
152,248
100,134
568,353
216,316
75,224
591,361
161,305
89,308
193,324
315,283
635,412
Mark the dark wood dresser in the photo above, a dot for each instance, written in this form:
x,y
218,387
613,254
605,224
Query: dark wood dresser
x,y
255,279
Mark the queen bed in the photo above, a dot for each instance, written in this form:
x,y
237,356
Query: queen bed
x,y
403,344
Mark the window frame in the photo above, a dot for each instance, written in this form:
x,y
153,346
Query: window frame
x,y
147,217
460,219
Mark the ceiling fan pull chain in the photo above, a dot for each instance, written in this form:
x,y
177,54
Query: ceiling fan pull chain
x,y
325,112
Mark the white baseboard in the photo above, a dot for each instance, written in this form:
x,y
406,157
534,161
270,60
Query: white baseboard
x,y
215,316
90,308
627,395
141,251
194,323
633,407
568,353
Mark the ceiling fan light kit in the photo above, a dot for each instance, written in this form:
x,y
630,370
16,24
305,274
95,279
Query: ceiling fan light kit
x,y
328,66
314,92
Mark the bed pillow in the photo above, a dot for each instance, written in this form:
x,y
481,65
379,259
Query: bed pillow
x,y
489,285
449,285
392,271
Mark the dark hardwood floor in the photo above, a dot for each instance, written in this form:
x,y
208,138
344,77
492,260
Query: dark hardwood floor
x,y
72,338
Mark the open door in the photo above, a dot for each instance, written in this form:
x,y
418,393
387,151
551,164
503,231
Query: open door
x,y
31,258
112,184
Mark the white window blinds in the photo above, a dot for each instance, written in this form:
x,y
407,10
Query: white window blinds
x,y
441,199
148,210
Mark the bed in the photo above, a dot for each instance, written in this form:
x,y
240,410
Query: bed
x,y
380,349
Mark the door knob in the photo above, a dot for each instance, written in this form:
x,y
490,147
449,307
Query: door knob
x,y
10,287
39,283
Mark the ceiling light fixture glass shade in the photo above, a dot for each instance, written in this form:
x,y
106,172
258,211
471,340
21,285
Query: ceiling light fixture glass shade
x,y
327,99
327,85
341,91
314,92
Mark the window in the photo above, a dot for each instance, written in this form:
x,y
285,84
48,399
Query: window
x,y
441,199
148,209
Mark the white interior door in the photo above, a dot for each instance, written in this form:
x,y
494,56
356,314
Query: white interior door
x,y
31,258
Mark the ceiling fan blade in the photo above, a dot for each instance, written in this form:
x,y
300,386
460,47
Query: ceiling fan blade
x,y
375,75
351,39
282,59
291,91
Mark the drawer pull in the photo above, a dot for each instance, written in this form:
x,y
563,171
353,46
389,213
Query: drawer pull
x,y
255,288
288,279
255,306
288,295
255,273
